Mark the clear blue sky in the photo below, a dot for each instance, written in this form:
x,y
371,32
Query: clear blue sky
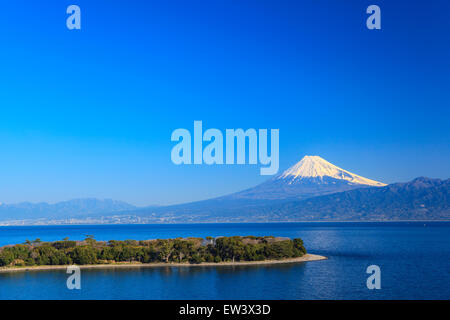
x,y
89,113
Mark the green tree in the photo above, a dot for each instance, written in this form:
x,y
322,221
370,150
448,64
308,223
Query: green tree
x,y
166,248
84,255
6,257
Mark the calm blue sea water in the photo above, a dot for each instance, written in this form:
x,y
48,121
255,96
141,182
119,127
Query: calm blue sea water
x,y
414,259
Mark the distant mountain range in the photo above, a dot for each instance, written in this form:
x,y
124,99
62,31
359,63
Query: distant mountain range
x,y
311,190
420,199
75,208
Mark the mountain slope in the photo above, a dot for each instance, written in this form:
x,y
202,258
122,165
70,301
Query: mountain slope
x,y
312,176
420,199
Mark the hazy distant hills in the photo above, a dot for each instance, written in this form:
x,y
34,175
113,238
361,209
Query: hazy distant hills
x,y
311,190
62,210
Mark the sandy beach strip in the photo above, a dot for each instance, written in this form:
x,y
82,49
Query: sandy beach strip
x,y
305,258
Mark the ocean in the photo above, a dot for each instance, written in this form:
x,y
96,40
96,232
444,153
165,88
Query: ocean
x,y
414,259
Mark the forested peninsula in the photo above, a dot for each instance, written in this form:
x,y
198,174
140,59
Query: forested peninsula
x,y
180,251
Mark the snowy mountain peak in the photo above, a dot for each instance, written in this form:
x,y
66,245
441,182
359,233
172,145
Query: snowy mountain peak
x,y
317,167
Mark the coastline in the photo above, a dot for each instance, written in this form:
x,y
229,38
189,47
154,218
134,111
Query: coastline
x,y
3,224
307,257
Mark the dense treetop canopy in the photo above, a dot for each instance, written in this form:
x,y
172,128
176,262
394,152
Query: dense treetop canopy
x,y
180,250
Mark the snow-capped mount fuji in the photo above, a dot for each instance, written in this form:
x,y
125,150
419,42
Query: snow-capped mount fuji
x,y
315,167
312,176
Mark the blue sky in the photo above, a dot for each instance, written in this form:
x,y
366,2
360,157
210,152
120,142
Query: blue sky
x,y
90,113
